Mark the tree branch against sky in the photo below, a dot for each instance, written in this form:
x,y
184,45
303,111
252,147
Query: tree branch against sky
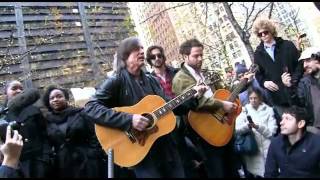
x,y
164,10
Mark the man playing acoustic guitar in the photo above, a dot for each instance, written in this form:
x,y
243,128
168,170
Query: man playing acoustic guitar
x,y
128,87
190,74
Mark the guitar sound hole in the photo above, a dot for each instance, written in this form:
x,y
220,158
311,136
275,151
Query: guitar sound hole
x,y
151,120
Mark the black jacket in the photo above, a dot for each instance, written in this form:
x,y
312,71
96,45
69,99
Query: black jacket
x,y
77,150
302,160
9,172
301,95
34,159
286,59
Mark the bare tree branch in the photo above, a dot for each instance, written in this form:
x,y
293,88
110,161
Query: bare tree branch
x,y
18,58
271,9
258,13
160,12
250,14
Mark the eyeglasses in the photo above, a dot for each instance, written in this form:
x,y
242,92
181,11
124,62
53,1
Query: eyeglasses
x,y
153,56
263,32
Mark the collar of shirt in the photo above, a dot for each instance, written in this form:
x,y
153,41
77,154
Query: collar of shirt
x,y
273,44
197,77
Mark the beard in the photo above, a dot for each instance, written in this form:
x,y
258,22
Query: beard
x,y
158,63
314,73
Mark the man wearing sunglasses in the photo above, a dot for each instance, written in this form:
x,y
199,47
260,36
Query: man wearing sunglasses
x,y
164,74
274,57
308,89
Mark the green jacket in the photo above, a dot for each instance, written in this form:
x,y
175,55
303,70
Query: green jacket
x,y
183,81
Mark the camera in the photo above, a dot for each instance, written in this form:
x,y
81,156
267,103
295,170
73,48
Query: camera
x,y
303,35
250,119
3,128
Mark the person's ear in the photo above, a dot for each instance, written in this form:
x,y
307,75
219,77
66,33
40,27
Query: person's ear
x,y
301,124
185,57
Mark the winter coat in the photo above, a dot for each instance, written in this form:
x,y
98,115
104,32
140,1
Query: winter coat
x,y
264,118
35,154
286,59
302,96
300,160
77,150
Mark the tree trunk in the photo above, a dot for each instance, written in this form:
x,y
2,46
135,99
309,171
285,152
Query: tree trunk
x,y
242,33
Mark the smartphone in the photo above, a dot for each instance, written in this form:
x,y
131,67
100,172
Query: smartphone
x,y
303,35
285,69
250,119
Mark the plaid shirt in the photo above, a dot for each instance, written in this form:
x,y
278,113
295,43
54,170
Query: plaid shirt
x,y
167,85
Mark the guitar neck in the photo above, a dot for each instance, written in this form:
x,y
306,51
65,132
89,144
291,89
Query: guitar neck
x,y
237,90
169,106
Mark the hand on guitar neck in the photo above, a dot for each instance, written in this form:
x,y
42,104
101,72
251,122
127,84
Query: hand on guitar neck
x,y
201,89
249,76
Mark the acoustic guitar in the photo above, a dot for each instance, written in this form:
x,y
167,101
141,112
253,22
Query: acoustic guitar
x,y
217,128
130,147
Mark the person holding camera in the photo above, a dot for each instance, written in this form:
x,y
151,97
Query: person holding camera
x,y
308,89
18,107
11,150
264,126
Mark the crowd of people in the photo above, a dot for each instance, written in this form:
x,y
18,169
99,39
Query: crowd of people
x,y
59,140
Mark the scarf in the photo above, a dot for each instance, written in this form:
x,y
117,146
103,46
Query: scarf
x,y
62,116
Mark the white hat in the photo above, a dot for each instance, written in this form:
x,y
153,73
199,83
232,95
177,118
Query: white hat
x,y
306,54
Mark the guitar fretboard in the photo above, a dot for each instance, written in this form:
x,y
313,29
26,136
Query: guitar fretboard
x,y
174,103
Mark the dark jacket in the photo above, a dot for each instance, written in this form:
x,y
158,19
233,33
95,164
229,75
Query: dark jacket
x,y
301,160
77,150
8,172
34,159
286,59
301,95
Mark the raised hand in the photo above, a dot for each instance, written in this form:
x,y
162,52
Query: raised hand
x,y
12,147
286,79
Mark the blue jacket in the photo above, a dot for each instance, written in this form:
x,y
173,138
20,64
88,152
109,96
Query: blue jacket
x,y
8,172
301,160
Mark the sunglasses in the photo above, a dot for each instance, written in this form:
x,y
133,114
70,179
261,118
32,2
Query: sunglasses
x,y
153,56
263,32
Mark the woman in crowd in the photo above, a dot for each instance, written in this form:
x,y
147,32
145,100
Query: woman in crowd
x,y
77,150
35,156
264,127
